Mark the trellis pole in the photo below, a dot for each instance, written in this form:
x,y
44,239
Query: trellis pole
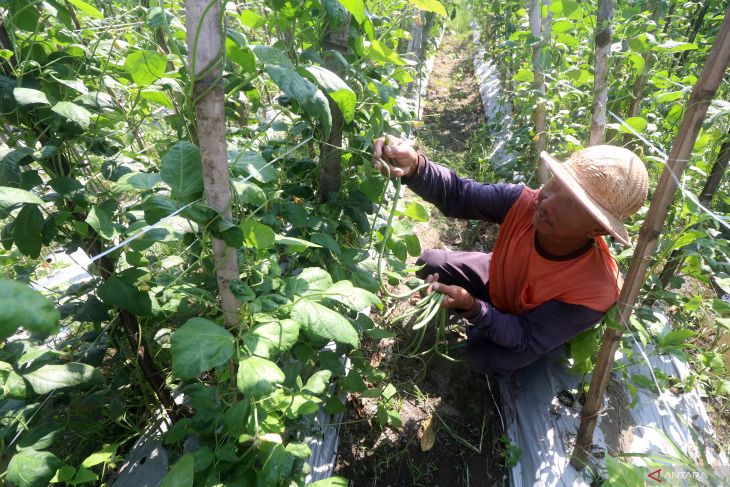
x,y
540,27
600,78
205,47
702,94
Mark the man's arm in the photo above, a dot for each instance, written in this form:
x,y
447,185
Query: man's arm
x,y
461,198
535,332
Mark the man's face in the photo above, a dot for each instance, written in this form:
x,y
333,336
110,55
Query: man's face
x,y
558,216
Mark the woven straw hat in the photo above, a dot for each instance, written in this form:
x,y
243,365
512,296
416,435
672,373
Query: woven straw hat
x,y
610,182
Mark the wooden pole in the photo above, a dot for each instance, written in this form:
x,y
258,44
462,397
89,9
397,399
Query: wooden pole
x,y
204,20
600,77
702,94
540,27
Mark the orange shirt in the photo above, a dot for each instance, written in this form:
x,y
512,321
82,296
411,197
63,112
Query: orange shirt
x,y
520,279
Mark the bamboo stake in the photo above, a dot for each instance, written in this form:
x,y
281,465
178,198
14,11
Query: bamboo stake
x,y
600,78
702,94
205,45
540,27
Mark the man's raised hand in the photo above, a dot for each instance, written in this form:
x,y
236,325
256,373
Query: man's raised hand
x,y
454,296
400,158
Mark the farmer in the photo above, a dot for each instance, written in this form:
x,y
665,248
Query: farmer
x,y
550,276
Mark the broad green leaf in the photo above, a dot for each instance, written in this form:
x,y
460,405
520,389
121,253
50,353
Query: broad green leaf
x,y
10,161
380,52
580,76
276,336
331,482
567,39
675,46
297,244
277,465
322,324
243,56
430,6
253,164
12,386
101,222
310,98
272,56
101,456
182,170
41,437
28,96
29,309
13,196
566,9
30,468
199,345
337,89
621,474
27,230
65,185
353,297
73,113
145,67
676,337
413,245
87,9
327,241
84,475
258,376
318,382
560,26
52,377
119,293
141,180
249,193
181,474
24,14
252,19
524,75
356,8
310,280
257,235
638,124
156,207
670,96
417,212
336,13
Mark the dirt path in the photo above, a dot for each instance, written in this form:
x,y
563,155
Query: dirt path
x,y
456,401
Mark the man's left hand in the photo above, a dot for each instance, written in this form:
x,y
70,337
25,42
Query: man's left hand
x,y
455,297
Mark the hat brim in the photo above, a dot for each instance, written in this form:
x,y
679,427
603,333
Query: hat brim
x,y
609,222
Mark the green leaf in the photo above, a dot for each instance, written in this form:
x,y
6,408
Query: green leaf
x,y
253,164
309,97
355,298
156,207
337,89
119,293
331,482
241,56
638,124
182,170
181,474
297,244
311,279
84,475
621,474
322,324
276,336
41,437
580,76
675,46
272,56
417,212
146,67
524,75
141,180
252,19
430,6
199,345
318,382
28,96
101,456
413,245
356,8
30,468
257,235
277,465
87,9
73,113
27,230
258,376
676,337
670,96
101,222
13,196
29,310
380,52
566,9
249,193
327,241
12,386
52,377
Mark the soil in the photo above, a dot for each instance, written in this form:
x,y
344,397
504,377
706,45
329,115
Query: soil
x,y
456,401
